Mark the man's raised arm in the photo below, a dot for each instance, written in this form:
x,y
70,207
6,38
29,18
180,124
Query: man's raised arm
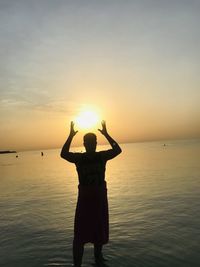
x,y
65,154
116,149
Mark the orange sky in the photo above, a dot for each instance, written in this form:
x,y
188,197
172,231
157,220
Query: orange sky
x,y
136,63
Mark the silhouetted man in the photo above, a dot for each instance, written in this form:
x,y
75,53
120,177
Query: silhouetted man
x,y
91,216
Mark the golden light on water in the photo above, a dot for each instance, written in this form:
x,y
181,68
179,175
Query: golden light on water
x,y
87,119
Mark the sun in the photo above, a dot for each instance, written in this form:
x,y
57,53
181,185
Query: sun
x,y
87,119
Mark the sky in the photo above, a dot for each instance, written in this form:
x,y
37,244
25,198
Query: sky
x,y
135,61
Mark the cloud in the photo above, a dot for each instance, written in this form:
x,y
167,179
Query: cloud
x,y
37,101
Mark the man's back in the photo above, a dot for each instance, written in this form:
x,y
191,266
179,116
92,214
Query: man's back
x,y
91,168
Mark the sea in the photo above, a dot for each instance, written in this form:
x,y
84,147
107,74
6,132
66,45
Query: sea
x,y
154,207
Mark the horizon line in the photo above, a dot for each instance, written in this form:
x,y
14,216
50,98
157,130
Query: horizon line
x,y
104,144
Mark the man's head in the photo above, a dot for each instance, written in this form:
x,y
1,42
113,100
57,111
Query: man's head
x,y
90,142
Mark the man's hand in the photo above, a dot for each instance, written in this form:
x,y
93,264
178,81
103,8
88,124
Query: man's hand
x,y
103,130
72,131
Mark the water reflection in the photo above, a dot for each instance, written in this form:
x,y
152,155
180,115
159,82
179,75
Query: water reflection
x,y
100,265
154,196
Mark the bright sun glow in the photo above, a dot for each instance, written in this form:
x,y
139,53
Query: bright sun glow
x,y
87,119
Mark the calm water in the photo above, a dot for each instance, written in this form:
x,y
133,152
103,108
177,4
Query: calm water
x,y
154,201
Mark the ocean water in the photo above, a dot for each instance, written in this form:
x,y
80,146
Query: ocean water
x,y
154,203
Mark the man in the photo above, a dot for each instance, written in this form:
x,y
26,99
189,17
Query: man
x,y
91,216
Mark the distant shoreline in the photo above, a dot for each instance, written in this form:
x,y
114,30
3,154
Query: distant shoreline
x,y
7,151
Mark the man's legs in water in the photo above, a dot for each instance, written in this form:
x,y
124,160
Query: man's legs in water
x,y
78,250
98,253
